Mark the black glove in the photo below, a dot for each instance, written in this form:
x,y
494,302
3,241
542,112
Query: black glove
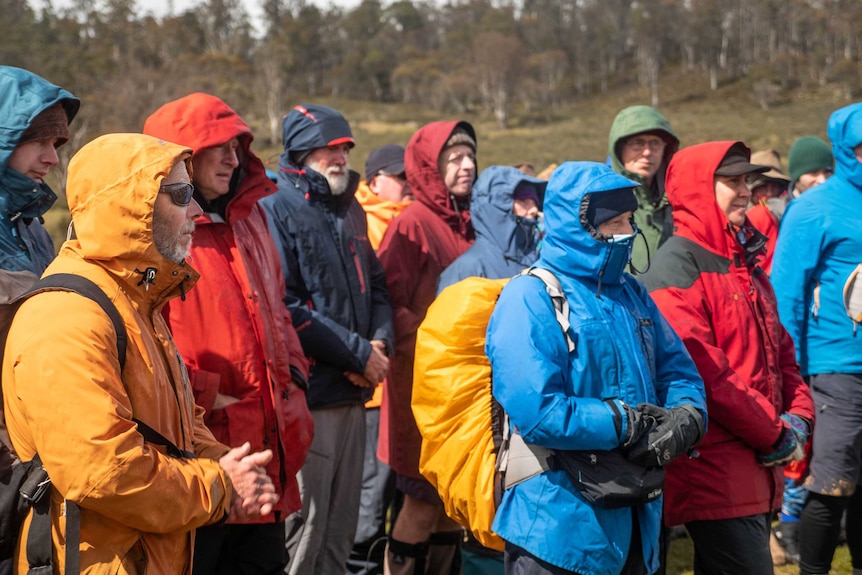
x,y
676,431
637,426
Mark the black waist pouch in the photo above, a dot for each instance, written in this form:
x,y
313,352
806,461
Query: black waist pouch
x,y
608,479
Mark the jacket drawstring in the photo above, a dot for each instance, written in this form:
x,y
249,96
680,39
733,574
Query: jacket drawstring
x,y
646,245
604,267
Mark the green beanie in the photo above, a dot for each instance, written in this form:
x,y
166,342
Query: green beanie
x,y
807,154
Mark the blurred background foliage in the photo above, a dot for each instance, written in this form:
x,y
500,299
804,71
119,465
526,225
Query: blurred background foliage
x,y
541,79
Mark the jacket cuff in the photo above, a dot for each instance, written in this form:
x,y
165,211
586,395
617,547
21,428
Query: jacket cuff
x,y
205,386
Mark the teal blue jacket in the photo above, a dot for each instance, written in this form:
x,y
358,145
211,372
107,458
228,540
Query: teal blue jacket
x,y
820,245
24,243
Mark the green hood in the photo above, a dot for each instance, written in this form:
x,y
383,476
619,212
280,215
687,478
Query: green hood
x,y
637,120
653,216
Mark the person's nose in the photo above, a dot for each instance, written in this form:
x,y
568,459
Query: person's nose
x,y
231,158
341,157
49,156
194,210
821,177
468,163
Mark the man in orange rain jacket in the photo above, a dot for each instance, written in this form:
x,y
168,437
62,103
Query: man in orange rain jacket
x,y
67,398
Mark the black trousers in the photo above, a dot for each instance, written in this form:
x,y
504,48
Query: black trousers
x,y
819,530
254,549
738,546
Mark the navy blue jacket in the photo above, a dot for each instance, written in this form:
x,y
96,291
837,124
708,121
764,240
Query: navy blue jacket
x,y
336,290
504,244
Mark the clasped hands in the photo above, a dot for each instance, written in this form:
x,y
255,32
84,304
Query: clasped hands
x,y
376,367
655,435
253,490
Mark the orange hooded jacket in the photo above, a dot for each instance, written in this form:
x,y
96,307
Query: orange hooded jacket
x,y
66,398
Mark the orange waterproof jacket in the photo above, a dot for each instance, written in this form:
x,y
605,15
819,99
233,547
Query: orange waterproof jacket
x,y
379,213
67,400
233,330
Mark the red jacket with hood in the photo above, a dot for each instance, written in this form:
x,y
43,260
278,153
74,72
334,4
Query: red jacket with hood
x,y
418,245
233,330
721,304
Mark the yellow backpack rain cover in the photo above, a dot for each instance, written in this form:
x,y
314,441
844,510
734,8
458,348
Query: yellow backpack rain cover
x,y
452,404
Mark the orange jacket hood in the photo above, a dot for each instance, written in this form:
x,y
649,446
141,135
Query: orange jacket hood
x,y
112,186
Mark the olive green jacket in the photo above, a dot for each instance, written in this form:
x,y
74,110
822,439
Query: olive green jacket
x,y
653,216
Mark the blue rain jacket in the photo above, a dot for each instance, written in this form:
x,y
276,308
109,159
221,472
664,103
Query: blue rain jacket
x,y
821,244
625,351
505,244
24,243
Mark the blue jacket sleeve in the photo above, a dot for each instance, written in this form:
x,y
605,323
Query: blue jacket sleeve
x,y
531,379
677,380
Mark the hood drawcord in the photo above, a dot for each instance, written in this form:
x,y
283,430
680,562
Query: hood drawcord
x,y
462,225
646,245
149,277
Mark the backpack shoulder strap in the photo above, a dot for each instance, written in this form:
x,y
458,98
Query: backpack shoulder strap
x,y
558,298
86,288
39,536
518,460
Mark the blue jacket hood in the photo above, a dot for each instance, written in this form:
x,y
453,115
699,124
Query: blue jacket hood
x,y
24,96
491,209
845,133
569,249
309,126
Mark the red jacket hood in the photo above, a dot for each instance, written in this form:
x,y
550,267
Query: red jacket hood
x,y
423,173
690,190
202,121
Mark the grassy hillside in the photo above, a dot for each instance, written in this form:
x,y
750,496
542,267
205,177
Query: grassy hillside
x,y
578,130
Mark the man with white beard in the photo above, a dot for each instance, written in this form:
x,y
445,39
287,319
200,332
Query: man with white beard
x,y
337,297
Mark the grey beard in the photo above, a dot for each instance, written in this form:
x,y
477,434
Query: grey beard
x,y
338,183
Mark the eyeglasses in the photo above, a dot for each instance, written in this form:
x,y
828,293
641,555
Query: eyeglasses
x,y
638,144
181,192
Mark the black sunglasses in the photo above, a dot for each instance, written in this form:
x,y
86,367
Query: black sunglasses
x,y
181,193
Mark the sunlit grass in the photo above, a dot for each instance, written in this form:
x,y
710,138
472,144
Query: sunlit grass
x,y
681,559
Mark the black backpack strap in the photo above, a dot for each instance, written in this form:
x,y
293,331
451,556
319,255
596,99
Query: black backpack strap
x,y
85,287
39,544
